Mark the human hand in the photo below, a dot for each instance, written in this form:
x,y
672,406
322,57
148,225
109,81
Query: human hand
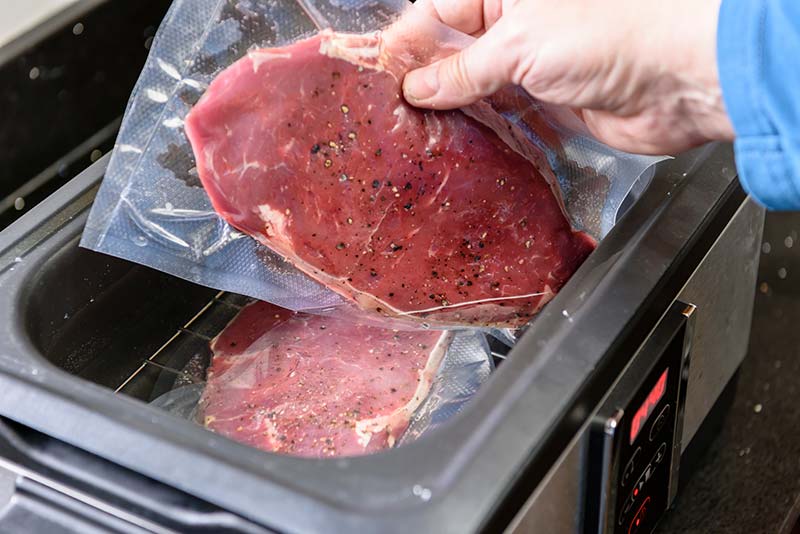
x,y
642,73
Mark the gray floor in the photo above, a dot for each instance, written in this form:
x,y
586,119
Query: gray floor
x,y
16,16
749,480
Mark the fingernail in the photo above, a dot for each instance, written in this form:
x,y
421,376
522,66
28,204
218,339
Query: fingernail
x,y
422,84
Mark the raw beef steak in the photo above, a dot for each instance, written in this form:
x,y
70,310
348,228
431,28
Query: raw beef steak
x,y
316,386
423,214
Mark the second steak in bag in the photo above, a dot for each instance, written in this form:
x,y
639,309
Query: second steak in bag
x,y
315,386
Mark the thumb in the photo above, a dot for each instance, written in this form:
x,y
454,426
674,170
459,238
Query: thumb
x,y
479,70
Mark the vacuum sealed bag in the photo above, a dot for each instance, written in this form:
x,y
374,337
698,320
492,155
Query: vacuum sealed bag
x,y
318,386
267,151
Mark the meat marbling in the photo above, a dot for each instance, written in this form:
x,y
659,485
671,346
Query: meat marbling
x,y
316,386
312,150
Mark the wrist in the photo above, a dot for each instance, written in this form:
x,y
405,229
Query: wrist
x,y
689,73
702,90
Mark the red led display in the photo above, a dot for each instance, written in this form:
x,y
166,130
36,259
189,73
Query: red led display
x,y
644,411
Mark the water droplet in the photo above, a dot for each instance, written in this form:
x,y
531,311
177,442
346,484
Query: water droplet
x,y
564,313
34,73
171,71
156,96
422,493
17,260
66,316
19,204
34,372
757,408
782,272
766,247
140,241
77,29
788,242
129,148
95,155
174,122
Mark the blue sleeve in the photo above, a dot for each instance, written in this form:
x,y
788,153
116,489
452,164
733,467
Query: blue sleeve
x,y
758,53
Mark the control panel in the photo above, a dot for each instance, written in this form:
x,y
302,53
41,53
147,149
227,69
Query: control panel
x,y
635,441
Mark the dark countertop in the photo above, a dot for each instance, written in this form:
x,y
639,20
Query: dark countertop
x,y
748,481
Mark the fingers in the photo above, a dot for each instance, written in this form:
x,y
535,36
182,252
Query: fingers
x,y
465,16
640,134
612,130
479,70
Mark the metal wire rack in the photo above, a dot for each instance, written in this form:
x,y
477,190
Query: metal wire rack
x,y
173,376
183,358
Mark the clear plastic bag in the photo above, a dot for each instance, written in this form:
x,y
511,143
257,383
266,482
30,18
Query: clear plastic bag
x,y
151,208
314,386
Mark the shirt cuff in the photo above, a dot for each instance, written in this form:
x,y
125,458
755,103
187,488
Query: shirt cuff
x,y
740,43
765,169
766,173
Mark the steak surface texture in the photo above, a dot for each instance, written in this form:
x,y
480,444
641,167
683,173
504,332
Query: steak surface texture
x,y
316,386
424,215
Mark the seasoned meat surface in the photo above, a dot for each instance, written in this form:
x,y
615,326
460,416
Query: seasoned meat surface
x,y
426,215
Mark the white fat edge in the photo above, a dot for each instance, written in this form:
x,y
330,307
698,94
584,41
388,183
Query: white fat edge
x,y
282,245
546,293
341,46
339,285
364,436
276,222
263,55
272,432
401,112
367,427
